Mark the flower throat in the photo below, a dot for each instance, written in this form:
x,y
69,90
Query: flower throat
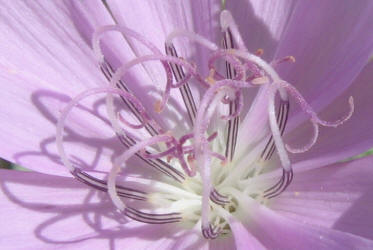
x,y
204,171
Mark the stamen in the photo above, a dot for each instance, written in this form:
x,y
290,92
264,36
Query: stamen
x,y
308,109
260,80
185,91
282,117
112,189
210,233
128,124
108,72
151,218
208,104
276,133
102,185
235,69
210,79
178,151
256,72
121,71
158,164
148,155
259,52
235,107
251,58
217,198
193,37
314,118
192,161
197,199
219,87
186,137
218,156
128,32
227,22
190,150
234,111
309,145
287,174
290,59
70,106
281,185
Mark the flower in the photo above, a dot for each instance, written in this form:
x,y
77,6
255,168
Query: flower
x,y
213,173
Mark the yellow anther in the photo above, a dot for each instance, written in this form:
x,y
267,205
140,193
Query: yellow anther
x,y
190,159
169,158
259,52
230,51
291,59
260,80
168,132
224,163
158,106
210,79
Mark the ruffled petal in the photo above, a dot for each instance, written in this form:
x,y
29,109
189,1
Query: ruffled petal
x,y
277,232
46,212
337,196
331,44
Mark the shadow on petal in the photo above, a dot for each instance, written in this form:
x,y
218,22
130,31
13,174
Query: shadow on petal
x,y
64,212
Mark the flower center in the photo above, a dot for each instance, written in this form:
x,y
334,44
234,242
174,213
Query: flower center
x,y
207,168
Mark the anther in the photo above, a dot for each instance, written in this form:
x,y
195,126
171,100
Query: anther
x,y
158,106
290,59
191,159
260,80
210,78
259,52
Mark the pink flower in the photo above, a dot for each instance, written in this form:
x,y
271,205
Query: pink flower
x,y
195,135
